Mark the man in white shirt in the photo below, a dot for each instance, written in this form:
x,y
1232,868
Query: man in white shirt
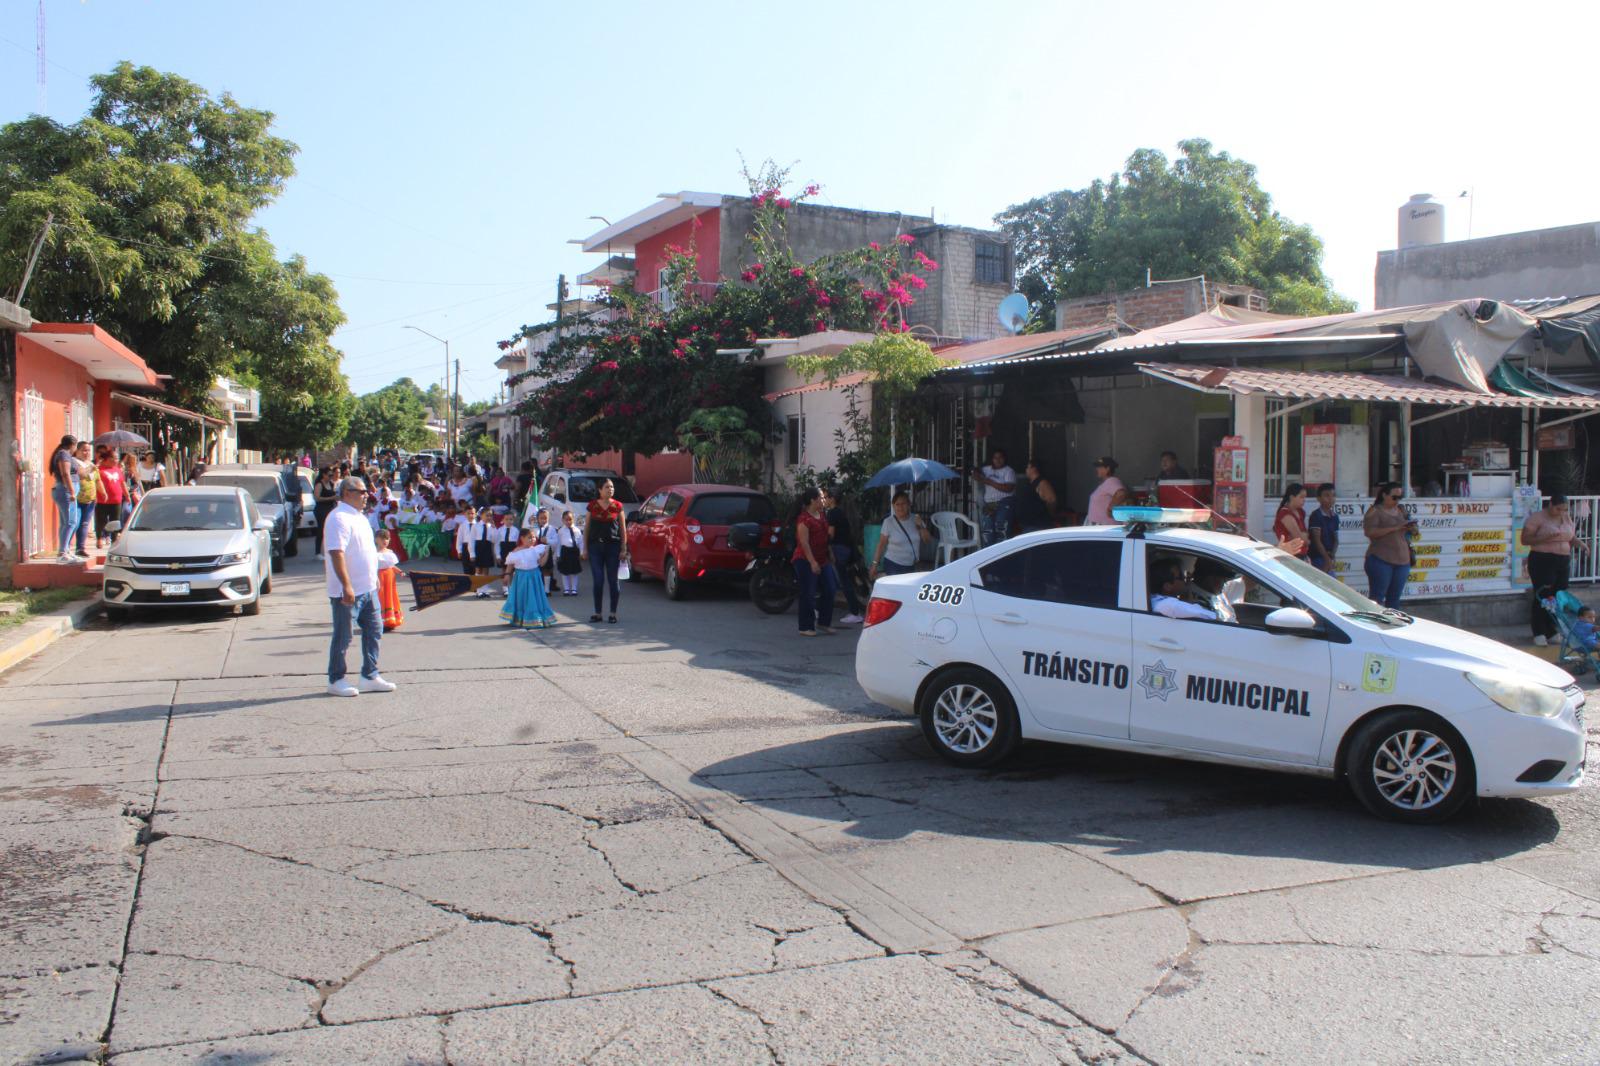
x,y
351,566
1168,581
999,483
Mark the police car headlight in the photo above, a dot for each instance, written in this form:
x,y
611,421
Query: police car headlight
x,y
1521,697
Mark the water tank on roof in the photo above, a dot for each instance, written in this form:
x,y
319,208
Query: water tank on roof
x,y
1421,221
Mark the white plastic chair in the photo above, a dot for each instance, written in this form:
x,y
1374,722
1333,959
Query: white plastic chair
x,y
952,527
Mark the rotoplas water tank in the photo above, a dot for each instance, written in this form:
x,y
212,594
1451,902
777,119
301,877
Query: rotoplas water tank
x,y
1421,221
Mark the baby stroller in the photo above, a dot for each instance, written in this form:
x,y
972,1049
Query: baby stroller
x,y
1563,608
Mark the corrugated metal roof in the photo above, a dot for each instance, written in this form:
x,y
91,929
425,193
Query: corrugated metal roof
x,y
1020,344
1338,385
816,386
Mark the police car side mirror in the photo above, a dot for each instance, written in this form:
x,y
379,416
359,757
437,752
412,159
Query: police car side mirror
x,y
1295,621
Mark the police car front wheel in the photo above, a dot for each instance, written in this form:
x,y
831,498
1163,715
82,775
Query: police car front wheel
x,y
969,718
1410,766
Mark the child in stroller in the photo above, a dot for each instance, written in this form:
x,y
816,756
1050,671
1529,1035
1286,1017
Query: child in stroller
x,y
1580,638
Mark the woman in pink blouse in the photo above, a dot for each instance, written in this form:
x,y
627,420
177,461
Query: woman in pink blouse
x,y
1549,534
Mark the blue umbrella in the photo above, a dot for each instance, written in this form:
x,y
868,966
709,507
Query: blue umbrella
x,y
911,472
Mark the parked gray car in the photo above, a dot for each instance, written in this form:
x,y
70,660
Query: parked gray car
x,y
266,490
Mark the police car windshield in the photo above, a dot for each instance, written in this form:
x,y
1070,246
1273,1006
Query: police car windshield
x,y
1330,592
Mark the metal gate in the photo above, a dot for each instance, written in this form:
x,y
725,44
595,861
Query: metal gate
x,y
32,440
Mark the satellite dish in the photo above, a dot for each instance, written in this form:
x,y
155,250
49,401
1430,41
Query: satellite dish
x,y
1013,312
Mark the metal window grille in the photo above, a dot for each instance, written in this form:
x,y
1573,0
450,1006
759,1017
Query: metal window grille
x,y
989,268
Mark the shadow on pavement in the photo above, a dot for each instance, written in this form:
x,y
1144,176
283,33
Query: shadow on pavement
x,y
1113,803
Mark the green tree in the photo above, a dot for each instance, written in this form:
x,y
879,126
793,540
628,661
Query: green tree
x,y
1203,213
301,419
151,194
392,417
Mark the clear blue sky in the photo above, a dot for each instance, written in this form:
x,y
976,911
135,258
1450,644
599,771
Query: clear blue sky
x,y
452,149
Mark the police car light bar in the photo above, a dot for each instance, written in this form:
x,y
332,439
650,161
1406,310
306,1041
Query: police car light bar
x,y
1161,516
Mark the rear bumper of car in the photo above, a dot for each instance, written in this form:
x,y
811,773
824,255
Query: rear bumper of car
x,y
226,586
886,674
715,566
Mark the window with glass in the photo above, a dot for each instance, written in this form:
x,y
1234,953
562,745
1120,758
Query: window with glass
x,y
726,509
1083,573
989,267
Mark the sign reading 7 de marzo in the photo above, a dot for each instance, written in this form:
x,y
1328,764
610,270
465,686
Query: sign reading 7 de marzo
x,y
1463,546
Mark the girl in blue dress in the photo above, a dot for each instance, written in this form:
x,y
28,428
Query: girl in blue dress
x,y
526,604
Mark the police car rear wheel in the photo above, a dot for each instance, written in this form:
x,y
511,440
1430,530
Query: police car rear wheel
x,y
1410,767
969,719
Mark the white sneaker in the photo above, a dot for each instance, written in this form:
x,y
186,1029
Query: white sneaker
x,y
851,619
319,555
1541,641
342,687
376,684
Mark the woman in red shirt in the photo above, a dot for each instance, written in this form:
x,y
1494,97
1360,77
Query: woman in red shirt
x,y
109,495
813,566
605,544
1290,524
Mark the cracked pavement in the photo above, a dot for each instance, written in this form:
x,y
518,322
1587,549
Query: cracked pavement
x,y
690,838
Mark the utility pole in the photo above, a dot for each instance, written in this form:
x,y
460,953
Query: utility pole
x,y
455,409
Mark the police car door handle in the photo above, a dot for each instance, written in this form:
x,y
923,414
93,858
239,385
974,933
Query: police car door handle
x,y
1165,644
1011,618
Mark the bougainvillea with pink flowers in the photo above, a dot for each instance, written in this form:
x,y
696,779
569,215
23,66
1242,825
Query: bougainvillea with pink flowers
x,y
628,376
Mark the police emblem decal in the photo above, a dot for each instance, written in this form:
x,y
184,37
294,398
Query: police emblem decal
x,y
1158,681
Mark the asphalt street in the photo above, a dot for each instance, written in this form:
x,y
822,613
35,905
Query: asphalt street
x,y
689,837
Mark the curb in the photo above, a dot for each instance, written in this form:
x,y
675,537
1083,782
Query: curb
x,y
54,626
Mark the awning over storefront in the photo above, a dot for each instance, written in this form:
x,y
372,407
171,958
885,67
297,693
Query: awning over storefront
x,y
1339,385
167,409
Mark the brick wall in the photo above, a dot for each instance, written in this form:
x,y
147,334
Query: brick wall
x,y
1141,308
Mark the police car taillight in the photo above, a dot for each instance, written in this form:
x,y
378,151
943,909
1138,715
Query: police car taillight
x,y
880,610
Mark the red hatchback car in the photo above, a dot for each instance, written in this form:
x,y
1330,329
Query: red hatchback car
x,y
680,534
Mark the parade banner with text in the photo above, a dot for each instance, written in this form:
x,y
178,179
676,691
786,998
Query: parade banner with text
x,y
429,587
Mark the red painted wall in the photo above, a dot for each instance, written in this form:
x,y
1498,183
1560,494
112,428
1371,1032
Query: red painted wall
x,y
59,381
704,230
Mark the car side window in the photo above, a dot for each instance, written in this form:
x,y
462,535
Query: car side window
x,y
556,489
1237,597
651,508
674,502
1084,573
251,515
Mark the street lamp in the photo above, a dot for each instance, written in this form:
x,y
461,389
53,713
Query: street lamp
x,y
449,427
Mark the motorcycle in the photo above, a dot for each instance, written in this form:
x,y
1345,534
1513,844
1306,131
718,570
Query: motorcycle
x,y
772,583
773,587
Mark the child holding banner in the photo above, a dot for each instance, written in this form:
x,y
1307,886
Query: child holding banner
x,y
526,603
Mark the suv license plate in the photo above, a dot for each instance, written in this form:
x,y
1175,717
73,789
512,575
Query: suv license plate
x,y
174,588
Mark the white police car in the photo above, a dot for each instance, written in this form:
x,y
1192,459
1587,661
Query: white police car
x,y
1056,636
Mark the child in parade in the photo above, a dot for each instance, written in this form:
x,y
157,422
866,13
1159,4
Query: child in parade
x,y
567,547
450,526
544,530
466,537
388,584
526,604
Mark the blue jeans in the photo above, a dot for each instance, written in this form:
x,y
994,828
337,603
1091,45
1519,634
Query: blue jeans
x,y
842,554
889,566
997,523
66,516
1386,582
364,613
816,594
603,561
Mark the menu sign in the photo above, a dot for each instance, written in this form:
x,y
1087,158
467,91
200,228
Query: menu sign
x,y
1463,546
1318,450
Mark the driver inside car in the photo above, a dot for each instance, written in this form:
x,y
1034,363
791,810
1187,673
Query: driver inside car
x,y
1170,583
1217,588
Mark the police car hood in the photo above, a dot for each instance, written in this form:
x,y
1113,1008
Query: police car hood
x,y
1455,648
